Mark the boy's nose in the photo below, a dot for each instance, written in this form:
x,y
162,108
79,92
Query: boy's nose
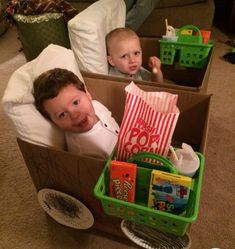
x,y
74,115
131,58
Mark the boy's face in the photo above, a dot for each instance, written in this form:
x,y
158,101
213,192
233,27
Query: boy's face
x,y
126,55
72,110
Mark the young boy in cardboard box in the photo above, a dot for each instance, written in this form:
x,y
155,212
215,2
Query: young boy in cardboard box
x,y
125,56
89,126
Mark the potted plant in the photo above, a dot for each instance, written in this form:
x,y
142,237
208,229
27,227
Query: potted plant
x,y
3,22
40,23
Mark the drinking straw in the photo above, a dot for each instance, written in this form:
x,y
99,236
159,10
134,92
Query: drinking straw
x,y
166,23
173,153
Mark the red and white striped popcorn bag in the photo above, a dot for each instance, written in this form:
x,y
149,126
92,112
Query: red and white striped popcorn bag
x,y
148,123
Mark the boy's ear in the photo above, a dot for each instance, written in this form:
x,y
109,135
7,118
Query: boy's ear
x,y
110,60
88,94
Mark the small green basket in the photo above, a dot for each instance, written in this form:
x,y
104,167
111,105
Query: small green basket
x,y
192,51
139,212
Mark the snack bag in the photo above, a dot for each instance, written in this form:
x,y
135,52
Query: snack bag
x,y
148,123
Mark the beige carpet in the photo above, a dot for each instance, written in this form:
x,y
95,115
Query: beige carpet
x,y
24,225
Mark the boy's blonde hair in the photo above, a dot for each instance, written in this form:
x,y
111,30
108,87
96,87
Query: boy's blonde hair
x,y
120,34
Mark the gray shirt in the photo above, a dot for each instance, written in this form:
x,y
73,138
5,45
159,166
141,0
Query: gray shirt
x,y
142,74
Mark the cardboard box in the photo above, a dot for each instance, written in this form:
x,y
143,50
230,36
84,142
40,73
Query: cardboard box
x,y
192,124
175,76
77,176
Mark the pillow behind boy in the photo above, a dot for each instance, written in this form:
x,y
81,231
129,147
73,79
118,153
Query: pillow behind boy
x,y
18,101
87,31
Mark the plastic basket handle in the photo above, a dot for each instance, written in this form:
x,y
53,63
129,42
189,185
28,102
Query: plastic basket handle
x,y
157,157
194,28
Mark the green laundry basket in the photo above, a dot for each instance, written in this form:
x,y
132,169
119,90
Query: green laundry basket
x,y
36,32
139,212
192,52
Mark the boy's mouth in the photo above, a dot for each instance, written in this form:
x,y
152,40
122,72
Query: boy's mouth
x,y
83,122
133,68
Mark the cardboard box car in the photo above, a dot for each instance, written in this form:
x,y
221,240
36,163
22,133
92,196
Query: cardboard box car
x,y
77,176
175,76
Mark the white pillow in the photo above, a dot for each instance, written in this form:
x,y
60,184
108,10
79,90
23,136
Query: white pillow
x,y
18,101
87,31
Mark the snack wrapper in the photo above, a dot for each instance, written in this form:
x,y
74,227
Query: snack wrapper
x,y
148,123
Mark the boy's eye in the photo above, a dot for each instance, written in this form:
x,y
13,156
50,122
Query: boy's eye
x,y
124,56
62,115
137,53
76,102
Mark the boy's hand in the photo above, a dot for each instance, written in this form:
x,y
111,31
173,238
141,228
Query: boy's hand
x,y
154,63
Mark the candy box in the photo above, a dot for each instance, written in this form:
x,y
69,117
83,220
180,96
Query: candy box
x,y
122,180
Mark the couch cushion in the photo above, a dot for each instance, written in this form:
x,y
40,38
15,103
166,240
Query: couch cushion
x,y
174,3
194,14
129,3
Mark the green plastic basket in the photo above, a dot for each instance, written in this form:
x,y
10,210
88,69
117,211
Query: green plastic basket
x,y
139,212
192,52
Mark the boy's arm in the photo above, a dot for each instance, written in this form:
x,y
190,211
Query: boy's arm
x,y
155,65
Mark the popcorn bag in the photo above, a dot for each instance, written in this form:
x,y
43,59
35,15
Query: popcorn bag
x,y
148,123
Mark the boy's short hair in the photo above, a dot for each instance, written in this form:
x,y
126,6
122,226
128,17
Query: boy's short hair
x,y
120,33
48,85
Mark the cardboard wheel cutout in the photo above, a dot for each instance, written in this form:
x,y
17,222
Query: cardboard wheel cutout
x,y
151,238
65,209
